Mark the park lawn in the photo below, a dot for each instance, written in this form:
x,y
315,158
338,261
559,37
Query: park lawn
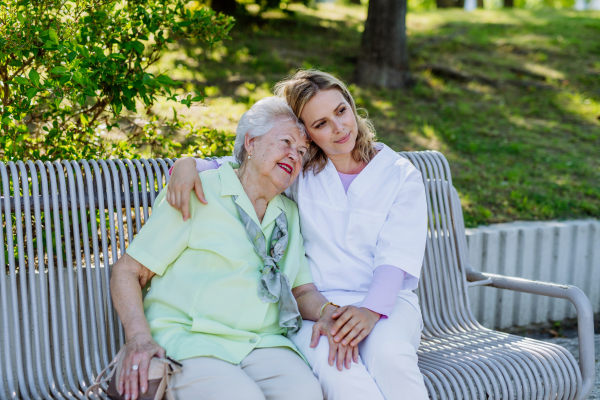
x,y
520,126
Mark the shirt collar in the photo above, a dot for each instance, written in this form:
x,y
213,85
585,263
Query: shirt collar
x,y
231,186
376,167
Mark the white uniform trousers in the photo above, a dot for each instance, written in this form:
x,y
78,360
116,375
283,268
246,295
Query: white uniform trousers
x,y
387,368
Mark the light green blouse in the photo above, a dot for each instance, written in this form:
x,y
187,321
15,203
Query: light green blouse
x,y
203,299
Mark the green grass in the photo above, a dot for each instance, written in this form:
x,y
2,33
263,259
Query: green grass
x,y
515,152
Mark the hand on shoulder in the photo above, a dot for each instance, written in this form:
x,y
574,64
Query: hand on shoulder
x,y
184,179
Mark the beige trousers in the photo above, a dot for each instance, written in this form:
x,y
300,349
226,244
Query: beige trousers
x,y
265,374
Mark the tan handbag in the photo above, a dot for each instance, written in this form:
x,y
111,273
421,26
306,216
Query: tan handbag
x,y
159,376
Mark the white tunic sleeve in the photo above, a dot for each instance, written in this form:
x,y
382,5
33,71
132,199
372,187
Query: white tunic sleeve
x,y
401,240
225,159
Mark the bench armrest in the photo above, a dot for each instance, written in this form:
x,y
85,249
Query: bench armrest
x,y
585,315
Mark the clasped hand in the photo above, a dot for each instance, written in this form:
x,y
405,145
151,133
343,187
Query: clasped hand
x,y
345,328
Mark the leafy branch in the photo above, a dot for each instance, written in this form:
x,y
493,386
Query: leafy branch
x,y
73,71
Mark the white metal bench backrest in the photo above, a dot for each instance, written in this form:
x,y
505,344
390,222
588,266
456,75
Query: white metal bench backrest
x,y
443,286
64,225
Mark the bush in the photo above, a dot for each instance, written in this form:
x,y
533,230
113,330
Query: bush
x,y
75,75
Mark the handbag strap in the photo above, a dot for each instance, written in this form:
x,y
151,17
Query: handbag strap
x,y
99,380
165,383
163,387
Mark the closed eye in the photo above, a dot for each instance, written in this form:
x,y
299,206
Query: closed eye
x,y
320,125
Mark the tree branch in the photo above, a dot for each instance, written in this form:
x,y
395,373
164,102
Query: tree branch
x,y
25,65
101,106
5,88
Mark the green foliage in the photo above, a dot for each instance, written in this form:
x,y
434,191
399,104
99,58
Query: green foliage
x,y
75,76
158,134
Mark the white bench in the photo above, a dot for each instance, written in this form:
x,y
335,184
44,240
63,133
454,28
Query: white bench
x,y
61,235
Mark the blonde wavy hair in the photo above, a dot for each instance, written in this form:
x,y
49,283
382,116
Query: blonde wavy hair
x,y
298,89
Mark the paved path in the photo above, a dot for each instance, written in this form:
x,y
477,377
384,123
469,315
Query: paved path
x,y
573,346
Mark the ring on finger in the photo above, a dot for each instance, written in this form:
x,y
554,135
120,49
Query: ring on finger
x,y
135,367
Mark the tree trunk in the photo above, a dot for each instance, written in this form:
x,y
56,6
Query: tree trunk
x,y
383,59
509,3
227,7
479,3
355,2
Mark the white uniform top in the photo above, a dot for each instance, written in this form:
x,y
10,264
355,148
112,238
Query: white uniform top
x,y
382,220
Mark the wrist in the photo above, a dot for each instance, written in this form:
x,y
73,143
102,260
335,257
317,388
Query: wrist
x,y
188,161
328,309
140,336
137,329
373,314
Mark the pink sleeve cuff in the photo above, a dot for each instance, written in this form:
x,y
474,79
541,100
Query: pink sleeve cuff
x,y
202,165
382,294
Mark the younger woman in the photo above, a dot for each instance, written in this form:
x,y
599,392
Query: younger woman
x,y
363,217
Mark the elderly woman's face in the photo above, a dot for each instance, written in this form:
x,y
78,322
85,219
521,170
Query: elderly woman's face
x,y
278,154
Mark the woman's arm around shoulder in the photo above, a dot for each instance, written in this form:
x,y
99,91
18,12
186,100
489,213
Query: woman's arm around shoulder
x,y
185,178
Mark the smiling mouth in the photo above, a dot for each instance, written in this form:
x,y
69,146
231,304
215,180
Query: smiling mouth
x,y
344,139
286,168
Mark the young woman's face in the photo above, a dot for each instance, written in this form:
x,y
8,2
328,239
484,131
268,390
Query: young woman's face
x,y
330,122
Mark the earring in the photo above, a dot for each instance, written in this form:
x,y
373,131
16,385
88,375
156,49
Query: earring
x,y
248,157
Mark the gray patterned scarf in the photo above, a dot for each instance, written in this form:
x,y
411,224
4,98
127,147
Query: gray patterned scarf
x,y
274,285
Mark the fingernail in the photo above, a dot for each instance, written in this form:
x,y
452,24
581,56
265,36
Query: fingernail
x,y
344,342
143,389
127,397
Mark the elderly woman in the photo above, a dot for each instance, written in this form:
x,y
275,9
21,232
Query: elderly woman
x,y
228,284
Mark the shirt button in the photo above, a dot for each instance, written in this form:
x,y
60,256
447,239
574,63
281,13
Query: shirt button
x,y
253,340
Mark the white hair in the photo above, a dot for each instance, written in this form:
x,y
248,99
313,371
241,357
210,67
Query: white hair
x,y
260,119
